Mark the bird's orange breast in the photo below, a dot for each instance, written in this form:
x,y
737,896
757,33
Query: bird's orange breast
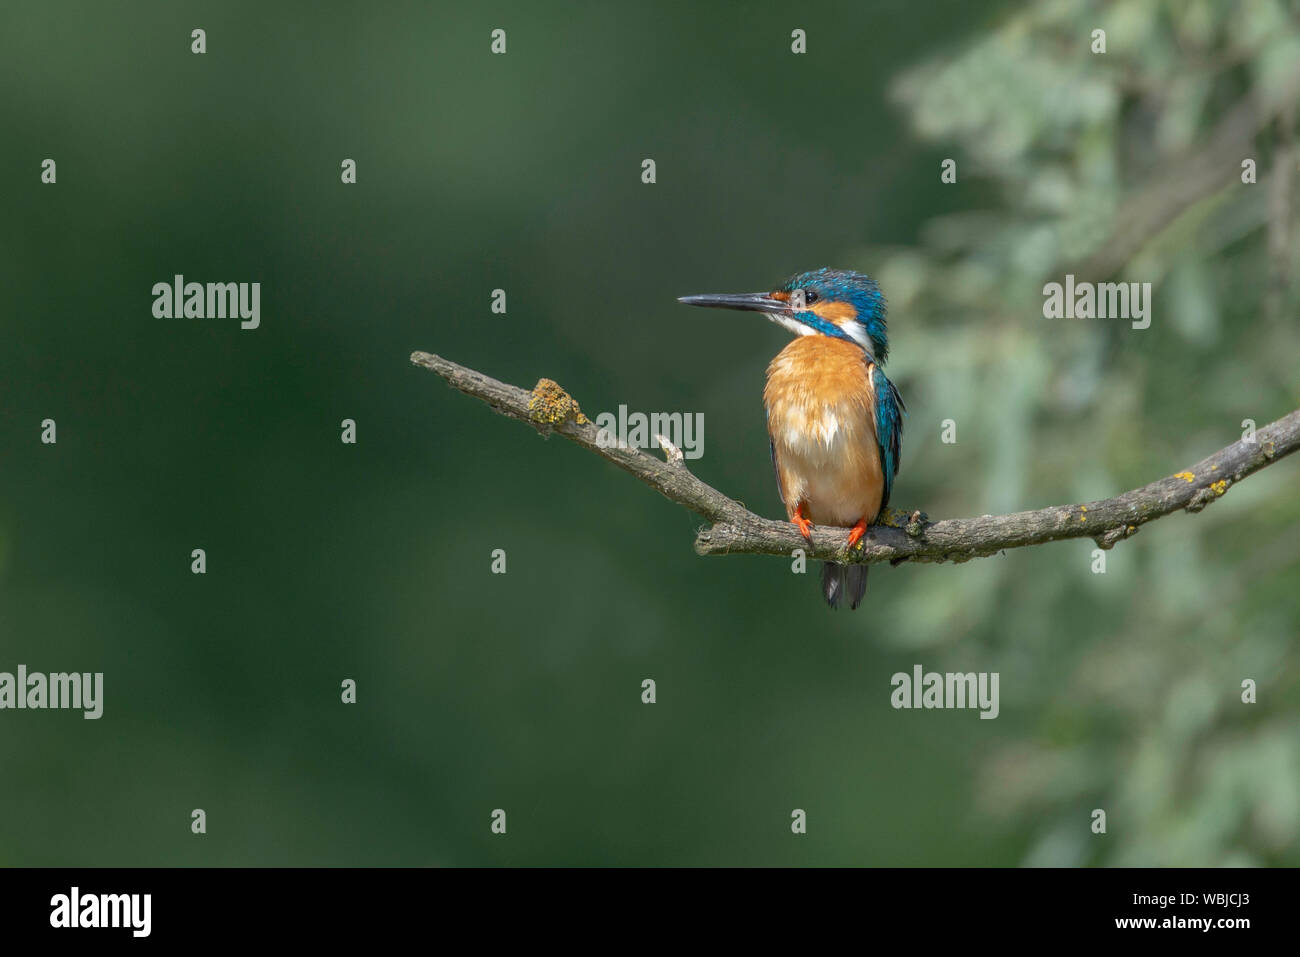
x,y
821,419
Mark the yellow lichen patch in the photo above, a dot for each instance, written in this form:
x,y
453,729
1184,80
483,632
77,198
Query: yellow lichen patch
x,y
1187,476
1219,487
1083,509
892,517
551,405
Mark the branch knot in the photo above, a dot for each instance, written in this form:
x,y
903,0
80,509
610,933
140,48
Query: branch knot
x,y
1107,540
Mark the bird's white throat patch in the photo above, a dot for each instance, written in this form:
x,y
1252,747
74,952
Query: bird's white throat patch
x,y
858,333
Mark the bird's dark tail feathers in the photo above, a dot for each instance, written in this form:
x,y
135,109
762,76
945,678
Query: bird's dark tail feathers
x,y
843,581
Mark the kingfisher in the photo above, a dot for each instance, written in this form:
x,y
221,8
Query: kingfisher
x,y
834,420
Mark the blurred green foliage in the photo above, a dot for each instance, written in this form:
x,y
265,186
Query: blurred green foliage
x,y
1077,150
522,691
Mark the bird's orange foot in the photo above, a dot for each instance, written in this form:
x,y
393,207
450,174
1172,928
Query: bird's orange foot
x,y
803,522
857,531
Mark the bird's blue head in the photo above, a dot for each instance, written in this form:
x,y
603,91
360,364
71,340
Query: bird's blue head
x,y
826,302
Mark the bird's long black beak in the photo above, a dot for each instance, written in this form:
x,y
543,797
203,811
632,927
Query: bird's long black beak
x,y
751,301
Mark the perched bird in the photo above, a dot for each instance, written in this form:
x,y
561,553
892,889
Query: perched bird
x,y
834,419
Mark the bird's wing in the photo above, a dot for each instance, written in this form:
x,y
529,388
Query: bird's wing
x,y
889,428
776,469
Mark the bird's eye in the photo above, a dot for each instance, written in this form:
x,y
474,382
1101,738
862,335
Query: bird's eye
x,y
809,296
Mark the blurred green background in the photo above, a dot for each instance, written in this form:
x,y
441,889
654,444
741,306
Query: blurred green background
x,y
522,691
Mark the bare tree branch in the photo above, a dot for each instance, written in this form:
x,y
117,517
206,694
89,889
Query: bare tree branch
x,y
904,536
